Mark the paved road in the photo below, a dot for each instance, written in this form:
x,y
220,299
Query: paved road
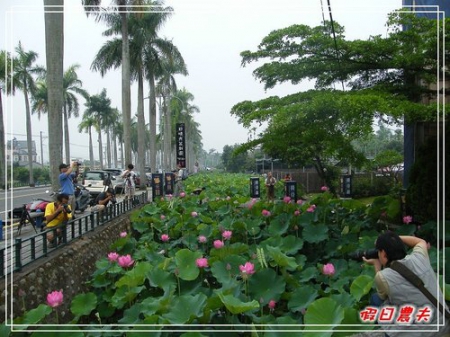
x,y
18,196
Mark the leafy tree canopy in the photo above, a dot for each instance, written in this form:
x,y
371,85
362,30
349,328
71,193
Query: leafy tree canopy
x,y
382,74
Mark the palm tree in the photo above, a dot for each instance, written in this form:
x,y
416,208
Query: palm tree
x,y
165,86
145,48
24,69
71,86
87,123
5,64
122,9
99,107
54,50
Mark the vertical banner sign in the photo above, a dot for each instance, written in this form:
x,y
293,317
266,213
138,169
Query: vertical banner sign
x,y
346,181
157,185
255,187
181,145
169,183
291,189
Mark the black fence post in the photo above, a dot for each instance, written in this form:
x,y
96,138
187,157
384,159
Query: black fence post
x,y
18,253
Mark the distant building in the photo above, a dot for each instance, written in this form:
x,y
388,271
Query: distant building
x,y
17,152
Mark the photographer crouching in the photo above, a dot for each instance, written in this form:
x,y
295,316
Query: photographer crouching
x,y
57,214
103,199
403,305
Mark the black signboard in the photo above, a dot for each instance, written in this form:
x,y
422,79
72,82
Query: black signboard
x,y
291,189
169,183
346,181
255,189
181,145
157,185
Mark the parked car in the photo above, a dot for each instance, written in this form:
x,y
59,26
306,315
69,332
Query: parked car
x,y
115,176
96,181
119,186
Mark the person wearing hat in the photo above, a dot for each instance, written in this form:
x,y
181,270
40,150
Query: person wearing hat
x,y
66,177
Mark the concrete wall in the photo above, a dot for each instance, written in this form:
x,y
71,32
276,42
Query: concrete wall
x,y
67,268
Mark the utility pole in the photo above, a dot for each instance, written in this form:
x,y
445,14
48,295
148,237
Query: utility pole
x,y
42,152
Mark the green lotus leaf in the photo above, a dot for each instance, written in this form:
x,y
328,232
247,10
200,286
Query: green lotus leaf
x,y
125,295
5,330
147,331
186,264
141,227
224,210
132,315
294,330
361,286
224,275
302,297
306,218
308,274
344,299
351,316
266,285
291,244
278,225
36,315
281,259
325,314
193,334
314,233
185,308
236,306
151,305
83,304
135,276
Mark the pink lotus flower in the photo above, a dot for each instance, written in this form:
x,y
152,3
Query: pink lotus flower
x,y
182,194
202,262
113,256
55,298
407,219
299,201
272,304
227,235
123,234
247,269
310,209
125,261
194,214
328,269
297,213
287,199
163,216
165,237
265,212
202,239
218,244
324,188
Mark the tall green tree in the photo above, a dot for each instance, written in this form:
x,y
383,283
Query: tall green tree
x,y
23,79
99,108
381,74
87,123
54,52
123,8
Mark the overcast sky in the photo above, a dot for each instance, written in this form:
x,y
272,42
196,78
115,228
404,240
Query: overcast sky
x,y
210,34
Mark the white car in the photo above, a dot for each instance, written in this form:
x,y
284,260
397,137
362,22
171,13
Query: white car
x,y
95,181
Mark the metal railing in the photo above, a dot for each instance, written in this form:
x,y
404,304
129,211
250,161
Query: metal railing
x,y
19,252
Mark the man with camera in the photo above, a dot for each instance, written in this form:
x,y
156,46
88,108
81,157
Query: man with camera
x,y
56,214
66,177
103,200
398,293
130,182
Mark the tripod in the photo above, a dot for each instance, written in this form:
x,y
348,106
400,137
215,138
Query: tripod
x,y
24,218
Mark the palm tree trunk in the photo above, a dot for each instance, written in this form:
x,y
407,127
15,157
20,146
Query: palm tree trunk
x,y
54,49
91,150
66,134
167,136
3,164
141,130
152,121
108,146
29,136
115,150
126,78
100,148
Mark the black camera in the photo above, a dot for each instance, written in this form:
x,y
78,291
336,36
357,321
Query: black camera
x,y
113,199
67,209
368,254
